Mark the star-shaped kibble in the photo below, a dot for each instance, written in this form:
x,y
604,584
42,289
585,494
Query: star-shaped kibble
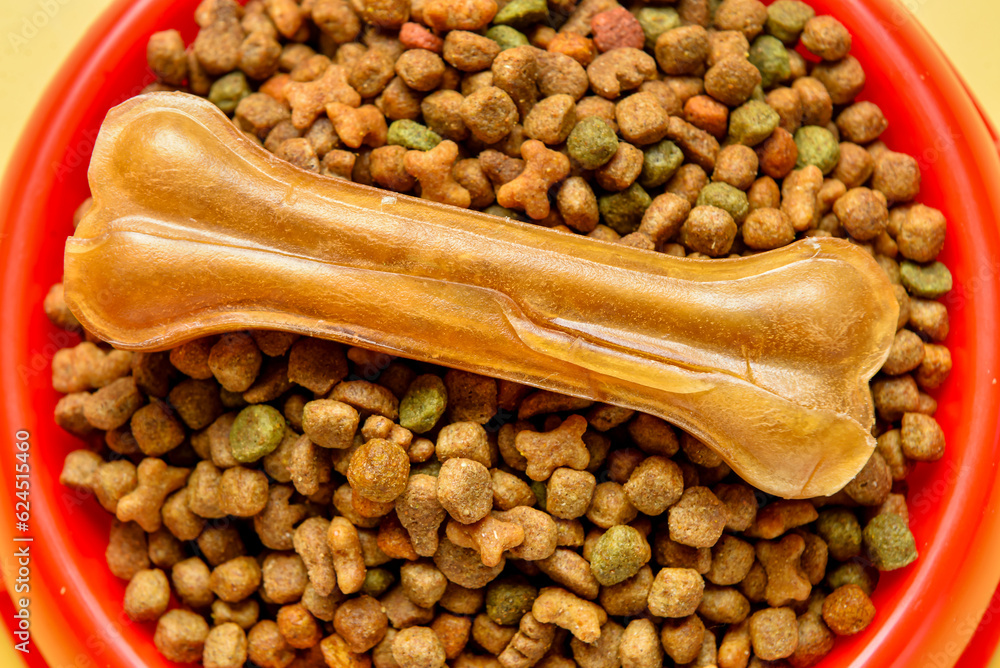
x,y
308,99
547,451
489,537
529,192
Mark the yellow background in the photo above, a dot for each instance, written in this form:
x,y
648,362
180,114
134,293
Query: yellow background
x,y
966,29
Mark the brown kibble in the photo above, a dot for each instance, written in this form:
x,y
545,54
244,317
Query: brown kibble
x,y
345,551
779,516
698,519
861,212
421,513
767,228
922,438
220,543
316,365
732,81
329,423
774,633
709,230
80,470
489,113
266,646
547,451
682,51
785,580
654,485
540,532
311,545
731,561
180,636
921,235
844,79
581,618
225,646
112,481
935,366
236,579
155,480
418,647
422,583
676,592
191,580
620,70
799,193
746,16
361,622
622,169
167,58
848,610
895,396
147,596
464,566
379,470
464,489
569,492
682,638
242,492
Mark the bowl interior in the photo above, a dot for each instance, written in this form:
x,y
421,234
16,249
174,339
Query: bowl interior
x,y
920,609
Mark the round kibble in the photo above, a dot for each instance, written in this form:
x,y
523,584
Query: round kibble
x,y
592,142
256,432
379,470
618,555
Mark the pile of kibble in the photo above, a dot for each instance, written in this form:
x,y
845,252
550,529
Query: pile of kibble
x,y
307,504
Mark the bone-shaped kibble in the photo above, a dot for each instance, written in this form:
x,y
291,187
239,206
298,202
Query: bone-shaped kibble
x,y
156,480
489,537
195,230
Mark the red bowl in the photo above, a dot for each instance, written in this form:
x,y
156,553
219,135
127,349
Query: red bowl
x,y
926,613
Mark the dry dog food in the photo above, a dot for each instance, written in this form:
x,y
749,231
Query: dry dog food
x,y
310,504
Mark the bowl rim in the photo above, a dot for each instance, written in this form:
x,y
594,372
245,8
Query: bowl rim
x,y
972,584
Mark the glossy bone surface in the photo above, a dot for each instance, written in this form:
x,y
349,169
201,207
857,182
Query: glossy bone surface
x,y
197,230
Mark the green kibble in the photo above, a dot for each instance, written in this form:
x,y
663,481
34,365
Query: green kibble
x,y
840,529
412,135
769,56
377,582
257,431
507,37
423,404
508,600
659,162
853,572
227,91
786,19
521,13
817,146
618,555
623,211
889,543
929,281
725,197
541,493
752,123
655,21
591,143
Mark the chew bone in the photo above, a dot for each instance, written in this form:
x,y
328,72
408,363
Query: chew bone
x,y
195,230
